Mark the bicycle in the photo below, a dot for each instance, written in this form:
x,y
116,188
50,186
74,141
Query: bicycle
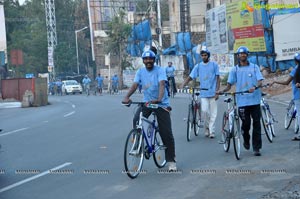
x,y
142,142
171,87
290,116
267,118
195,116
87,89
231,128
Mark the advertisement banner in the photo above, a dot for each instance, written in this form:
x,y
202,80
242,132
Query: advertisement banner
x,y
286,39
244,26
225,62
216,37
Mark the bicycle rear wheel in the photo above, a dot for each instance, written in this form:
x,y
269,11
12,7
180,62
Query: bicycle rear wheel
x,y
159,154
225,134
198,119
289,115
266,123
134,153
171,88
236,133
189,123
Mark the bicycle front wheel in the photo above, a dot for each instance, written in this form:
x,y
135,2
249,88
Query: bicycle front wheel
x,y
159,154
266,123
198,119
134,153
225,134
189,123
289,115
236,133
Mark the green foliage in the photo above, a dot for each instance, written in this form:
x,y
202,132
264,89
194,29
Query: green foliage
x,y
26,30
224,79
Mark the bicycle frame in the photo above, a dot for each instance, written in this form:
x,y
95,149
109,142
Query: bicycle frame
x,y
148,133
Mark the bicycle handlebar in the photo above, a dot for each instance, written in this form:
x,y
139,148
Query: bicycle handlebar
x,y
196,88
146,104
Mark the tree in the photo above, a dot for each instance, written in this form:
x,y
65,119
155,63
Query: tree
x,y
118,32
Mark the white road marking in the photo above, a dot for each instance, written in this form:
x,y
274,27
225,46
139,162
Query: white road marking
x,y
34,177
278,102
71,113
15,131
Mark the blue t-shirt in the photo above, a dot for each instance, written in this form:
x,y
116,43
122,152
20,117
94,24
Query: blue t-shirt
x,y
86,81
207,74
115,80
296,92
99,79
150,84
170,71
246,77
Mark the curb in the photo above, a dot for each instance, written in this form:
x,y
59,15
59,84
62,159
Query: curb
x,y
10,105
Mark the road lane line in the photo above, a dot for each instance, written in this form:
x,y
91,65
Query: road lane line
x,y
15,131
68,114
34,177
283,103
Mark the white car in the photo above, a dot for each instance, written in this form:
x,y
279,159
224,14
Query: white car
x,y
71,86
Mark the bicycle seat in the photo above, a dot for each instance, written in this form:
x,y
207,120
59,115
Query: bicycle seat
x,y
197,93
228,100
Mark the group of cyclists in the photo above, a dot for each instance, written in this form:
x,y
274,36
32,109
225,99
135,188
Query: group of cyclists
x,y
246,76
86,82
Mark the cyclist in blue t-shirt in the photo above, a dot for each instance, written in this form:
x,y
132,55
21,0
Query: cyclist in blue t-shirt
x,y
86,81
115,83
295,79
170,71
99,80
247,77
152,78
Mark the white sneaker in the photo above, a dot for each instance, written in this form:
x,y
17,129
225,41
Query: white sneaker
x,y
212,135
172,166
207,132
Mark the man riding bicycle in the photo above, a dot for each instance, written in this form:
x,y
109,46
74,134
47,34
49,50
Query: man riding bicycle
x,y
170,71
152,78
86,81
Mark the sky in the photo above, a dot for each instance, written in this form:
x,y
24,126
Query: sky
x,y
21,1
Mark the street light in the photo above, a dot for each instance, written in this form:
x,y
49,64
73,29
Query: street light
x,y
77,31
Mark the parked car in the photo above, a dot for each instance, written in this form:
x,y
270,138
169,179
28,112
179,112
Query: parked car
x,y
71,86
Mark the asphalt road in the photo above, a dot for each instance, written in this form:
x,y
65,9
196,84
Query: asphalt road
x,y
73,148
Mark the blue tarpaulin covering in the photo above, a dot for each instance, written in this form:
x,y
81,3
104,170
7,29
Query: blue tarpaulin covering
x,y
139,38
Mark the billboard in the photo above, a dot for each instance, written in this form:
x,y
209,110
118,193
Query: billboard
x,y
216,34
286,39
244,26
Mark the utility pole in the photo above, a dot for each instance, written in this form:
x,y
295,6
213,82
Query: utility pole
x,y
51,34
159,32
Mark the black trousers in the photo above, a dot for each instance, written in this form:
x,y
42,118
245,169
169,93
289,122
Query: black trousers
x,y
165,128
246,113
